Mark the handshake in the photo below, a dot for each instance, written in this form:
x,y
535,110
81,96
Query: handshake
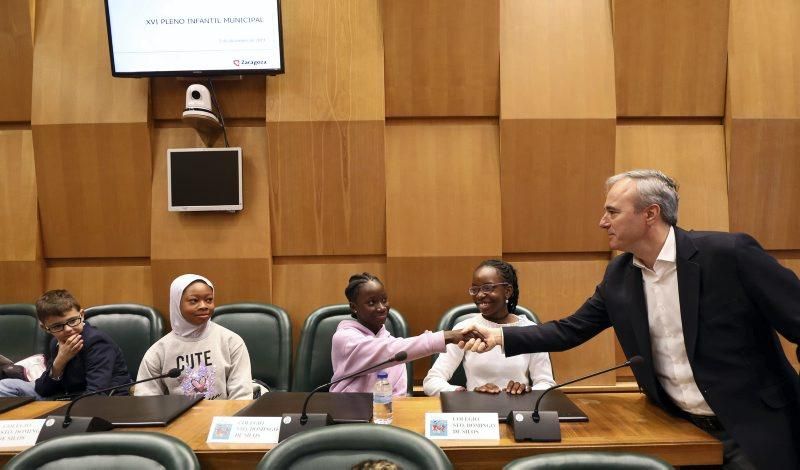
x,y
475,338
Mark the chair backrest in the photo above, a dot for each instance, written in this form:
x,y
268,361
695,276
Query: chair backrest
x,y
267,332
133,327
117,450
20,335
462,312
313,360
345,446
588,461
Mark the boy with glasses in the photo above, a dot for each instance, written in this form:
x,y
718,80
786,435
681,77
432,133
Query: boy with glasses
x,y
79,359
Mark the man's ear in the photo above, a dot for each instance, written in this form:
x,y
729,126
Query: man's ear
x,y
652,213
41,325
81,313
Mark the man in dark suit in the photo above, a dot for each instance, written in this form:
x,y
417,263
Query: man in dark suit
x,y
702,309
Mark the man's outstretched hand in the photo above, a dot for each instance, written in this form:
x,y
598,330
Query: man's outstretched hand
x,y
480,339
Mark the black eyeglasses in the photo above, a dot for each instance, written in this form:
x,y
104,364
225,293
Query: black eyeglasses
x,y
59,327
485,288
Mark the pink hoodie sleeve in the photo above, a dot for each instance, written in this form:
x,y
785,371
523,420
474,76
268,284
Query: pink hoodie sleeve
x,y
352,350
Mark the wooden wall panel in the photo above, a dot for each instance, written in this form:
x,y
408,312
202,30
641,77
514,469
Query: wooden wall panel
x,y
91,139
334,63
243,98
441,57
235,280
788,347
327,187
764,72
423,288
21,267
94,189
325,131
219,235
554,290
16,60
727,122
19,236
556,59
692,154
100,285
763,120
552,174
670,57
557,122
21,281
32,14
302,285
764,175
72,80
442,188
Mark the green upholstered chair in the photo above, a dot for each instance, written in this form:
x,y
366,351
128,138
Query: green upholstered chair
x,y
20,334
133,327
117,450
344,445
267,332
313,361
462,312
588,461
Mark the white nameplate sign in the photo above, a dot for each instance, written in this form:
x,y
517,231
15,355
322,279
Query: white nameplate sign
x,y
244,430
20,432
462,426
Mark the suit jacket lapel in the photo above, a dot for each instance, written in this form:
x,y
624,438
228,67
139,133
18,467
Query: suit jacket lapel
x,y
688,288
634,287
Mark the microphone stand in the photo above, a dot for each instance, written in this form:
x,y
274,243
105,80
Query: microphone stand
x,y
292,423
543,426
55,425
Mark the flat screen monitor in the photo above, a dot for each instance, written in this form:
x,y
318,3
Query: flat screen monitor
x,y
204,179
194,37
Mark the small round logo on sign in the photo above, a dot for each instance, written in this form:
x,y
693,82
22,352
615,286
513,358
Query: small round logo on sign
x,y
518,417
287,419
50,422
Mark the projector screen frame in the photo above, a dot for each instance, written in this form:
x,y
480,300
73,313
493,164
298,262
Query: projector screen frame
x,y
196,73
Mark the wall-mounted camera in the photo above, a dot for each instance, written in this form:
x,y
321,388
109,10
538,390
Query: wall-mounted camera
x,y
199,113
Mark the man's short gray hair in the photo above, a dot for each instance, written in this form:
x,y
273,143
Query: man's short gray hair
x,y
654,188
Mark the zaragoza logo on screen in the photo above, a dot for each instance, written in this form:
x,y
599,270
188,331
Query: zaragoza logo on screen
x,y
251,62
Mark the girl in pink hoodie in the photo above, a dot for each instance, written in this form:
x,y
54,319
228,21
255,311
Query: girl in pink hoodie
x,y
364,340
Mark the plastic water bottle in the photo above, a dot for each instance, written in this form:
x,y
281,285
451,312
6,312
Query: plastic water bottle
x,y
382,400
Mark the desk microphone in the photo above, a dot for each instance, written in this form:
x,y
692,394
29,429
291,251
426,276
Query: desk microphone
x,y
65,425
291,423
544,426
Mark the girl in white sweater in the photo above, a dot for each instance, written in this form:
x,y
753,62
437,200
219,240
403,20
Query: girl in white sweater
x,y
213,360
496,293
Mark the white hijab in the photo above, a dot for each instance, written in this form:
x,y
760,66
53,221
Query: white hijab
x,y
180,326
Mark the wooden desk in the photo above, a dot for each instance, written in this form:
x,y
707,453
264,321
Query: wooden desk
x,y
622,422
